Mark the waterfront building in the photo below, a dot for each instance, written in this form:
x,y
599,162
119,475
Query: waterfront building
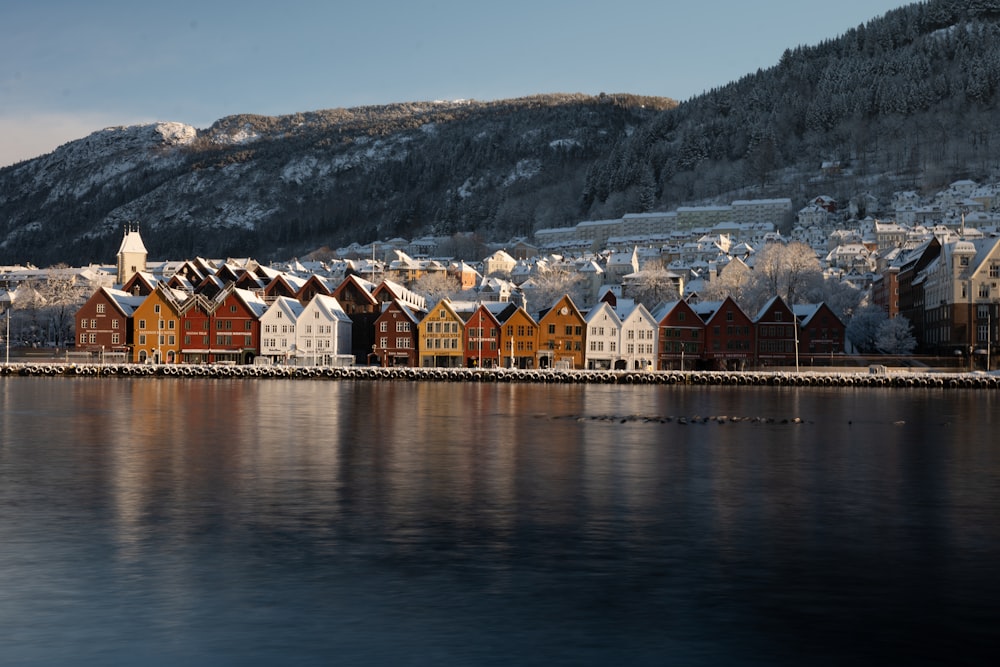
x,y
157,331
638,338
561,332
396,330
277,329
518,337
680,336
603,337
104,322
482,336
729,335
323,334
440,335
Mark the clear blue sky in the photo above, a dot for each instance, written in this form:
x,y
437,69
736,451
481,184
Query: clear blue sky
x,y
68,68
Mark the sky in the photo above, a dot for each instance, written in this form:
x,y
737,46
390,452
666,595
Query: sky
x,y
69,68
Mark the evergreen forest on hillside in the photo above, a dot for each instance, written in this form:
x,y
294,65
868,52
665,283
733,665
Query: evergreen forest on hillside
x,y
907,101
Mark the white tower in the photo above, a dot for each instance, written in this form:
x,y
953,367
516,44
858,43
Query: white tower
x,y
131,254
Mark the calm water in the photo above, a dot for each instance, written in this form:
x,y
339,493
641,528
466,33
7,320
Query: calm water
x,y
276,522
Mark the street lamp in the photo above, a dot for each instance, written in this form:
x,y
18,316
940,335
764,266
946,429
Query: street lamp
x,y
7,298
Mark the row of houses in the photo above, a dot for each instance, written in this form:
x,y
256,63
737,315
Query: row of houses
x,y
232,316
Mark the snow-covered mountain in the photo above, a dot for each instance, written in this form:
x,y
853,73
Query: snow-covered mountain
x,y
274,187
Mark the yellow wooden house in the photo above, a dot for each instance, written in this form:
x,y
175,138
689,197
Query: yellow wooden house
x,y
440,337
156,334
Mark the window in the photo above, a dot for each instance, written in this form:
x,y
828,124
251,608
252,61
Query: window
x,y
100,308
156,307
552,330
93,324
383,342
83,339
93,338
115,324
171,324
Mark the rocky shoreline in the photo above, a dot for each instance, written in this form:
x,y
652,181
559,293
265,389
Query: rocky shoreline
x,y
902,379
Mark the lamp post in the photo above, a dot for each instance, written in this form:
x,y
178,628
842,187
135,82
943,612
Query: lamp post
x,y
7,298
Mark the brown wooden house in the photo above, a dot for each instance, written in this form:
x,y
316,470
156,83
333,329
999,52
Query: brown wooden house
x,y
104,322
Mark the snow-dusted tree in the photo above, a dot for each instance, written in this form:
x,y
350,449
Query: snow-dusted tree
x,y
651,286
842,297
435,285
790,271
734,279
60,295
863,328
544,289
895,336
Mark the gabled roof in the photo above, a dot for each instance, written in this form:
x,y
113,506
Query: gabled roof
x,y
125,302
771,303
253,303
413,315
603,307
292,308
330,307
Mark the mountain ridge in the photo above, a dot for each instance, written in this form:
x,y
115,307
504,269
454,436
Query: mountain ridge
x,y
907,101
297,181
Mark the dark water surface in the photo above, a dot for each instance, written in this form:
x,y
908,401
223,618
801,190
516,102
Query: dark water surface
x,y
277,522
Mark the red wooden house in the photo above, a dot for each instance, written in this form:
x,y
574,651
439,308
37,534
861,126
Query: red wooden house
x,y
680,336
821,333
729,335
481,338
396,330
777,334
225,328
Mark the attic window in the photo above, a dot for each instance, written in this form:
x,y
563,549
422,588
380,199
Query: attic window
x,y
778,316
